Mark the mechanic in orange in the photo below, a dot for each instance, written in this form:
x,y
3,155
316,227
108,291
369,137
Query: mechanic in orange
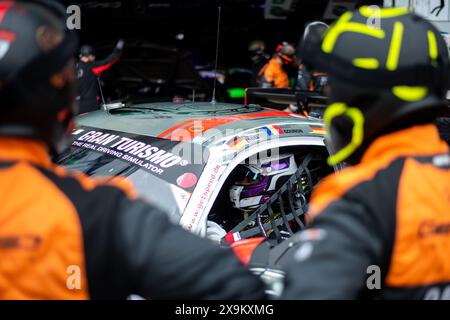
x,y
63,235
275,74
381,227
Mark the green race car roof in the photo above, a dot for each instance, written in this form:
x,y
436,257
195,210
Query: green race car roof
x,y
200,121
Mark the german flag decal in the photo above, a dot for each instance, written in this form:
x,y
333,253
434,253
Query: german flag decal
x,y
318,130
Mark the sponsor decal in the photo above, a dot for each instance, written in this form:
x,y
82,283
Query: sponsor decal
x,y
23,242
195,129
433,228
292,131
208,124
148,153
204,197
187,180
231,238
254,137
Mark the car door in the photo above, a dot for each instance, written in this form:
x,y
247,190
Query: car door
x,y
221,164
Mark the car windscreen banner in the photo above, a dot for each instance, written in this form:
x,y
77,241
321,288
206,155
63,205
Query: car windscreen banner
x,y
175,162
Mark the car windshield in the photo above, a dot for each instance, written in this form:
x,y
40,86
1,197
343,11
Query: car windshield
x,y
161,177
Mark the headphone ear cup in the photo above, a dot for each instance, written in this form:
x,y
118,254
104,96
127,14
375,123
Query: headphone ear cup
x,y
345,126
341,131
339,134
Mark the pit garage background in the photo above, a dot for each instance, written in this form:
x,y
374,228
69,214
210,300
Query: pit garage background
x,y
171,44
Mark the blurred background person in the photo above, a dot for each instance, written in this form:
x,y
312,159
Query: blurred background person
x,y
259,57
89,70
310,80
277,72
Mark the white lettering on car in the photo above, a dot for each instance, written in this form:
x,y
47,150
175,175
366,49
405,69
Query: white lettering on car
x,y
139,153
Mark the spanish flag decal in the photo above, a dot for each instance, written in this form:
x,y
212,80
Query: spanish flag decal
x,y
237,143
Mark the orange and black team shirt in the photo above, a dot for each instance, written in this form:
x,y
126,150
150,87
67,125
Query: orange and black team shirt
x,y
389,216
272,75
64,236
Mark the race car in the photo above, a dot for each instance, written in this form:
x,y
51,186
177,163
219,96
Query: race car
x,y
190,159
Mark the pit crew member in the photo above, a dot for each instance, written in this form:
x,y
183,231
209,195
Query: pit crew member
x,y
381,227
63,235
89,70
276,73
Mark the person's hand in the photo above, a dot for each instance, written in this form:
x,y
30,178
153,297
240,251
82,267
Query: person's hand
x,y
120,44
214,232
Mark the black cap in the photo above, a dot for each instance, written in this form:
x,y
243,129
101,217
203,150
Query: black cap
x,y
87,50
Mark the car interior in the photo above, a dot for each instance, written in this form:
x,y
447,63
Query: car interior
x,y
231,219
